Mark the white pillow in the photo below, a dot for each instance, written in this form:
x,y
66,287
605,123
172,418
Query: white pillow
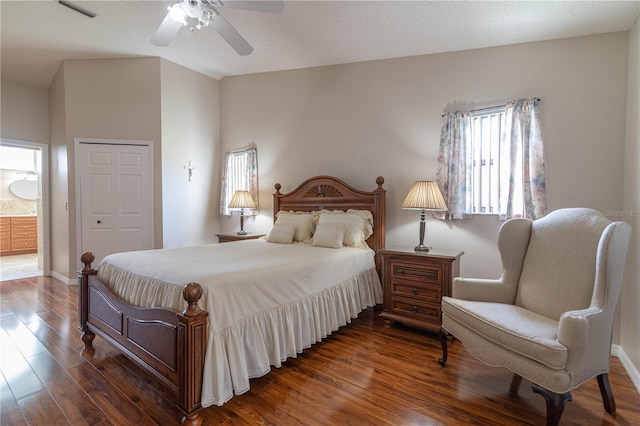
x,y
328,236
303,222
353,224
282,233
368,217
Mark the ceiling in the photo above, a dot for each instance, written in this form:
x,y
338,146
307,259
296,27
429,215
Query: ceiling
x,y
37,35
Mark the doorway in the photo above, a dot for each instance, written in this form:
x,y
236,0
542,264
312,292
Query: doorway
x,y
24,209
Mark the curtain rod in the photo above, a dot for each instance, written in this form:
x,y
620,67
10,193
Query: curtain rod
x,y
488,108
251,145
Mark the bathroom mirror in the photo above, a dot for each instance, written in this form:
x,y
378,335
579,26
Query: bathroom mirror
x,y
25,189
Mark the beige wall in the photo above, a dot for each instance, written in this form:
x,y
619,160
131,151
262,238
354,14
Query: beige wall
x,y
358,121
190,131
630,301
59,180
24,112
101,99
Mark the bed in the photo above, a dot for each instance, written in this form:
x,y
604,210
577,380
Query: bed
x,y
205,333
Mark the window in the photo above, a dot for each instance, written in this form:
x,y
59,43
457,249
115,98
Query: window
x,y
491,161
487,129
240,173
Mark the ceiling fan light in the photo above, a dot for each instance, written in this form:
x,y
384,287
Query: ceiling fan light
x,y
208,14
177,13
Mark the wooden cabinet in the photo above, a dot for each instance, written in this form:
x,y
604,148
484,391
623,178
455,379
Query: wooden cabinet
x,y
414,283
225,238
5,234
19,235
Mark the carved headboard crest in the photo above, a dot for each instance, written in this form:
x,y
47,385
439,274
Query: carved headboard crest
x,y
323,191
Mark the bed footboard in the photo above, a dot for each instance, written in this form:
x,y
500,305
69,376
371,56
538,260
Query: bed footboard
x,y
169,344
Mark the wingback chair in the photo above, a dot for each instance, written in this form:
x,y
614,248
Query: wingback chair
x,y
549,317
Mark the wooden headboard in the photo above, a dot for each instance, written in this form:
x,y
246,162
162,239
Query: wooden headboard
x,y
330,193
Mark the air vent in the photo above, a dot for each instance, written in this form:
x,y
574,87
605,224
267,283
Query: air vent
x,y
79,9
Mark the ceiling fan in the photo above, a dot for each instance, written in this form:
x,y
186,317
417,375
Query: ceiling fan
x,y
203,13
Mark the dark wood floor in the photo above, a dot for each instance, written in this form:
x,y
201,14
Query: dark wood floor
x,y
366,374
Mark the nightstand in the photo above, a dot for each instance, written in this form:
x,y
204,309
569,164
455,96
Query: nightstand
x,y
414,283
228,237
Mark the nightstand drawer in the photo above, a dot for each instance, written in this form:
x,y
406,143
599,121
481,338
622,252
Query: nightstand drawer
x,y
416,291
424,273
419,311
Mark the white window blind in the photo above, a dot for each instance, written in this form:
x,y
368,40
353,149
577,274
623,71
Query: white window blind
x,y
487,128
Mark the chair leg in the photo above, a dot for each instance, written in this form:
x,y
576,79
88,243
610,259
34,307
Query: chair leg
x,y
515,385
555,403
442,334
607,394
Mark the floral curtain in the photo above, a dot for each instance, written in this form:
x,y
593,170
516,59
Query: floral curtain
x,y
522,180
240,172
454,166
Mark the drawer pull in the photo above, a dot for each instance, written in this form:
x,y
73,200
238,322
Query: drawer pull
x,y
432,275
399,271
414,291
414,309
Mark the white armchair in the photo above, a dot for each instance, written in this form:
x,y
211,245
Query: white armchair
x,y
549,318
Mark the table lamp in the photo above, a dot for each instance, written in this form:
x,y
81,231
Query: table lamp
x,y
423,196
242,200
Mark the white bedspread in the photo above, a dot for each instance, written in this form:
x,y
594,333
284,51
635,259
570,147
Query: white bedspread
x,y
266,302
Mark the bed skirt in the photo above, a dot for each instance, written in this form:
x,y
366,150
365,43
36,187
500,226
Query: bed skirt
x,y
249,347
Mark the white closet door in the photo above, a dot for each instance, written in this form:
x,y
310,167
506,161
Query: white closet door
x,y
116,198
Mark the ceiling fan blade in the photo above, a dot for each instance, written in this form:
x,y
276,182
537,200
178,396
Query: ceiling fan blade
x,y
231,36
166,32
258,6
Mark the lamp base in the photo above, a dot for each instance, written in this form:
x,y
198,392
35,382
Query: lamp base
x,y
242,231
421,247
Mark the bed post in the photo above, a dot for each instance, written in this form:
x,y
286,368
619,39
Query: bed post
x,y
192,344
83,298
276,201
379,221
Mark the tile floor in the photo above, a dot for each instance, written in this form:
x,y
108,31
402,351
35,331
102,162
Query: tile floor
x,y
20,266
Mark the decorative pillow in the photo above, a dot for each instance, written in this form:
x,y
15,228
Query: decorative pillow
x,y
356,228
368,217
282,233
328,236
303,222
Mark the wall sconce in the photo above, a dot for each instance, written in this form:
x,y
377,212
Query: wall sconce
x,y
423,196
242,200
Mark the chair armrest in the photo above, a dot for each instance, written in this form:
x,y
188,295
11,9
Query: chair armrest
x,y
573,327
586,334
482,290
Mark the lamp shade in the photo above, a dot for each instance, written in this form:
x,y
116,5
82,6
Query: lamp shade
x,y
424,195
242,200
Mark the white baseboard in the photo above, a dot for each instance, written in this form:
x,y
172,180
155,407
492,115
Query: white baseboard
x,y
64,279
631,369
